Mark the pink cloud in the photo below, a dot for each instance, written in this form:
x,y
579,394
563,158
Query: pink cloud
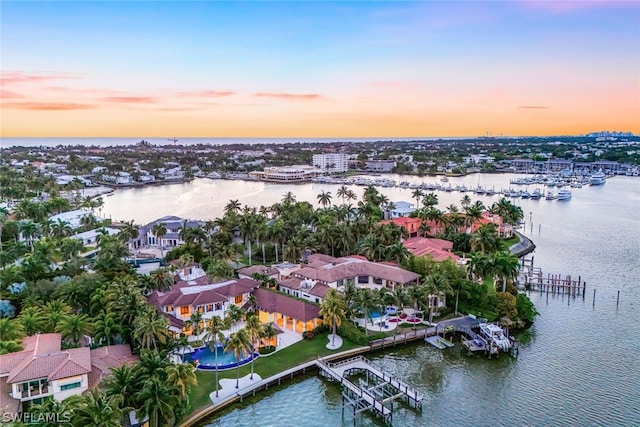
x,y
290,96
16,77
131,99
47,106
205,93
6,94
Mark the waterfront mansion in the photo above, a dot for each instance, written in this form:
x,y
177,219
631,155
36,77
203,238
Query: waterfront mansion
x,y
295,307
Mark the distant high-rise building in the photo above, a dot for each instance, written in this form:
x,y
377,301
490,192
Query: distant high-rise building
x,y
331,162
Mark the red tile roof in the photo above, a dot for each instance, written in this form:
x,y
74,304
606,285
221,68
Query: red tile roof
x,y
103,359
273,302
437,249
43,358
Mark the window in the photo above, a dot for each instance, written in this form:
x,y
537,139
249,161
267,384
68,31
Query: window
x,y
70,386
200,309
219,306
168,309
340,283
377,281
184,309
238,299
363,279
209,308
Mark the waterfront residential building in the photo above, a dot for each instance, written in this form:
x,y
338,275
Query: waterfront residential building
x,y
248,272
299,173
91,237
331,162
335,272
42,370
289,314
310,290
171,239
477,159
380,165
400,209
73,218
504,230
436,249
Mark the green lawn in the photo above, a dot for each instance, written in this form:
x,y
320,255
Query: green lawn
x,y
507,243
282,360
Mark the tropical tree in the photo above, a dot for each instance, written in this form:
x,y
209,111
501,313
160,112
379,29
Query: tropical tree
x,y
158,401
106,327
434,287
365,301
74,327
31,321
150,329
182,375
10,329
505,266
240,344
333,311
195,320
485,239
254,332
324,198
96,409
159,230
213,336
418,195
235,314
53,313
122,383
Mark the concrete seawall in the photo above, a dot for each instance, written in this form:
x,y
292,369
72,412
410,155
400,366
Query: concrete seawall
x,y
523,247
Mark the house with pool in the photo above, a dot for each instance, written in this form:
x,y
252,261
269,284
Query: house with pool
x,y
335,272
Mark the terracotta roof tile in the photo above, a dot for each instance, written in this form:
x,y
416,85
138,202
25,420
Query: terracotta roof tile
x,y
273,302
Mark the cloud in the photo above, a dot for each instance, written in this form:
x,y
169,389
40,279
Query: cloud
x,y
16,77
533,107
205,93
6,94
47,106
131,99
290,96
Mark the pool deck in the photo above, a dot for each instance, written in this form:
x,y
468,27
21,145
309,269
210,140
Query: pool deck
x,y
228,387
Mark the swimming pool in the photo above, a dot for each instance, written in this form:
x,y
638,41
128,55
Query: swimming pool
x,y
206,359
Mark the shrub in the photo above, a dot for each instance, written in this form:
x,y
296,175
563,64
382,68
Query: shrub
x,y
320,329
308,335
349,331
266,350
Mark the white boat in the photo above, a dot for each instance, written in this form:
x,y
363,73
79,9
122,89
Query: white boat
x,y
550,195
439,342
536,194
214,175
495,336
564,195
444,179
598,178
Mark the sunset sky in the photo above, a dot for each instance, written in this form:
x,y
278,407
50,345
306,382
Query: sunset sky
x,y
319,69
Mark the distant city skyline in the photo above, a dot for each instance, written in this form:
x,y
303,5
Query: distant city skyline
x,y
319,69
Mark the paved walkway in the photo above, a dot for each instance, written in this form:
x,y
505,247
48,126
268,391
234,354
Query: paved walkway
x,y
334,343
228,387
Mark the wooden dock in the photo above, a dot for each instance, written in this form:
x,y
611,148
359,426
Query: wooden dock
x,y
376,394
532,279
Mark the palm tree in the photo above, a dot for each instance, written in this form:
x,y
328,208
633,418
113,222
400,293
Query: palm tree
x,y
182,375
505,266
324,198
30,320
53,313
254,331
366,302
333,311
213,336
235,314
430,200
96,409
194,321
240,344
398,297
74,327
397,252
288,199
269,332
418,195
158,401
485,239
159,230
162,279
434,286
105,327
122,383
150,328
343,192
10,329
232,208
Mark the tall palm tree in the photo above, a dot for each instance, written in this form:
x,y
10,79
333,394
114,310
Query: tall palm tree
x,y
74,327
53,313
505,266
150,328
232,208
10,329
343,192
182,375
240,344
105,327
213,336
235,314
485,239
398,297
418,195
288,199
430,200
158,401
434,286
195,320
366,302
31,321
324,198
122,383
333,311
159,230
254,331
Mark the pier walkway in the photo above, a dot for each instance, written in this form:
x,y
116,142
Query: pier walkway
x,y
375,393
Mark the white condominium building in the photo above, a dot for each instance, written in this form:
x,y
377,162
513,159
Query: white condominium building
x,y
331,162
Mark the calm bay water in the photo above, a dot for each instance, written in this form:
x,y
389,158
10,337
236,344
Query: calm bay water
x,y
579,365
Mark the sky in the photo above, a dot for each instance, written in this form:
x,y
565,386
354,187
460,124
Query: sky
x,y
318,69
